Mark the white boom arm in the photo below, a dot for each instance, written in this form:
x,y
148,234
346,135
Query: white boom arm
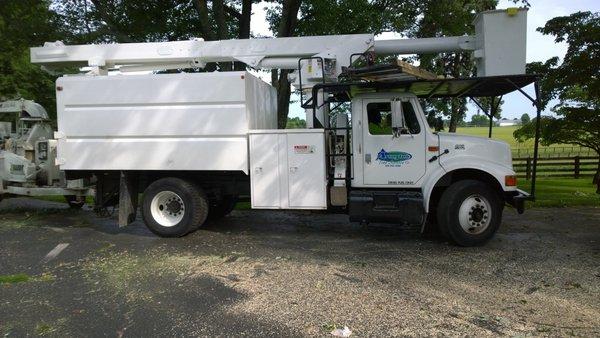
x,y
282,53
258,53
499,46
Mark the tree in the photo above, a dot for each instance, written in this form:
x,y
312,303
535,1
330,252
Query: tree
x,y
128,21
295,123
285,21
219,28
448,18
480,120
98,21
525,118
574,83
28,23
23,24
325,17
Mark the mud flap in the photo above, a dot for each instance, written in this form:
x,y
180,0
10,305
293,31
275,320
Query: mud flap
x,y
128,198
517,200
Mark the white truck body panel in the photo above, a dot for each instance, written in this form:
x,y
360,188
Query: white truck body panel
x,y
288,169
184,121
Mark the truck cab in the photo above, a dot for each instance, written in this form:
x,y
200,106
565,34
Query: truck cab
x,y
403,172
396,148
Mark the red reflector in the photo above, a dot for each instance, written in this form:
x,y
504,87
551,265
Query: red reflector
x,y
433,148
510,181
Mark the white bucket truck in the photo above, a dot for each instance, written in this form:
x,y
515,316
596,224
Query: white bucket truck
x,y
195,143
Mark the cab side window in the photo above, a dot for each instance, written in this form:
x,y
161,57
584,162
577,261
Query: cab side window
x,y
410,118
380,118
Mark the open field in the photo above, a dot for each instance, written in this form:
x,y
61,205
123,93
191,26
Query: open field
x,y
526,148
563,192
502,133
292,274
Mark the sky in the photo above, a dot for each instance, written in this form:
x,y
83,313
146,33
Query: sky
x,y
539,47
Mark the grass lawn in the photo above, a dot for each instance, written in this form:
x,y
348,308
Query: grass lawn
x,y
501,133
61,199
523,149
563,192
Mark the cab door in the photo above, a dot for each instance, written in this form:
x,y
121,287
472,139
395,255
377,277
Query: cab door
x,y
388,159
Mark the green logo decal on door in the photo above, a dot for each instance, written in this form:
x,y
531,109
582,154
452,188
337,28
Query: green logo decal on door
x,y
393,157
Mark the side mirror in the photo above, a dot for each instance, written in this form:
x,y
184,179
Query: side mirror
x,y
398,123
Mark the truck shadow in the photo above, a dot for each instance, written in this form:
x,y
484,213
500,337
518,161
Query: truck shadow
x,y
307,223
250,223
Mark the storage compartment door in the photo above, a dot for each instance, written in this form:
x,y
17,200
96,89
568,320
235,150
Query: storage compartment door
x,y
306,172
264,171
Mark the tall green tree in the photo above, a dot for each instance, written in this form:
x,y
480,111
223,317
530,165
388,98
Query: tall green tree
x,y
480,120
448,18
27,23
228,20
283,20
574,83
326,17
157,20
23,24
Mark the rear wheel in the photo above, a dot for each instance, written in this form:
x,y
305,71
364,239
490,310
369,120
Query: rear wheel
x,y
173,207
469,213
75,202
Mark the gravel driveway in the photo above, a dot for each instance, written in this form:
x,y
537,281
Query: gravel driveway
x,y
70,273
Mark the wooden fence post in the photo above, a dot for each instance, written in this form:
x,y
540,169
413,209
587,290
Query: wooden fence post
x,y
577,167
528,168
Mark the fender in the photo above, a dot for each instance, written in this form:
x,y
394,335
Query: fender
x,y
446,165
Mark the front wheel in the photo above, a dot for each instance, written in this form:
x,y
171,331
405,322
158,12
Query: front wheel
x,y
469,213
173,207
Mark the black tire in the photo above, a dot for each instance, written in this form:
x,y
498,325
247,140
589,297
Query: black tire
x,y
222,207
192,204
478,216
75,202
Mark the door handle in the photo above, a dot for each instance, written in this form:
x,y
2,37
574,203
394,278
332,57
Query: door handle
x,y
293,169
258,170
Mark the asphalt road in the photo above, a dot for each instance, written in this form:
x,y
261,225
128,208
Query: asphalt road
x,y
262,273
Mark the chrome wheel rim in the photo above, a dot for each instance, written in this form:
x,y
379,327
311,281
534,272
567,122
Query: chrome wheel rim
x,y
475,214
167,208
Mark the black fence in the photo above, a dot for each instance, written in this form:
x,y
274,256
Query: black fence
x,y
574,166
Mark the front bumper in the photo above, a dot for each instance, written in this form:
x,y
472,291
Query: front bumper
x,y
517,199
